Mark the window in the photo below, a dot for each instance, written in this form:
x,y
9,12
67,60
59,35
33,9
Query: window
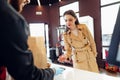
x,y
40,29
105,2
37,29
109,11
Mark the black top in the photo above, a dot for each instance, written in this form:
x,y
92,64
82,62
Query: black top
x,y
14,53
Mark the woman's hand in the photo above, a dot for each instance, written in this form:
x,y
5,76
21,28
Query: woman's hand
x,y
62,58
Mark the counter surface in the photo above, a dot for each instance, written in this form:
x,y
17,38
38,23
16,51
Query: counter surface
x,y
77,74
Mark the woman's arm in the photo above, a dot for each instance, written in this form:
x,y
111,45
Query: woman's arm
x,y
67,46
91,40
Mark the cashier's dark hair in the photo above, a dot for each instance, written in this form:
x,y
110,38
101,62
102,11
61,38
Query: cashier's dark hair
x,y
72,13
15,4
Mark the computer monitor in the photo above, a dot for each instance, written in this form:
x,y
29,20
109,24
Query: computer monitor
x,y
114,49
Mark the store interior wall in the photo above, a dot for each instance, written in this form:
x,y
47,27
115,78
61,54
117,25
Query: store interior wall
x,y
50,15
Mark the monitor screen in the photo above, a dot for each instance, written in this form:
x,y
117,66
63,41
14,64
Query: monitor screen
x,y
114,49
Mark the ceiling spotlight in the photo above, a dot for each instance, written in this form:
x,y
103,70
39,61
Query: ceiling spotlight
x,y
50,4
38,1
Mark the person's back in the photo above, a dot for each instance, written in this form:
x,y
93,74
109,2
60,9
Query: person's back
x,y
10,23
14,53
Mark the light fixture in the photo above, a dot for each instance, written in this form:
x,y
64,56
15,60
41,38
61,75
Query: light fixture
x,y
38,13
38,1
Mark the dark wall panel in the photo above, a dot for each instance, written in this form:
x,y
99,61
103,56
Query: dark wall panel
x,y
54,23
29,13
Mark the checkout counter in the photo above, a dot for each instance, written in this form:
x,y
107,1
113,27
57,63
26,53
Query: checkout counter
x,y
76,74
69,73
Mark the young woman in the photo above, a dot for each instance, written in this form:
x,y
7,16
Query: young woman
x,y
79,44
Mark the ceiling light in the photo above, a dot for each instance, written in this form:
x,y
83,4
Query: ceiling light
x,y
38,13
38,1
